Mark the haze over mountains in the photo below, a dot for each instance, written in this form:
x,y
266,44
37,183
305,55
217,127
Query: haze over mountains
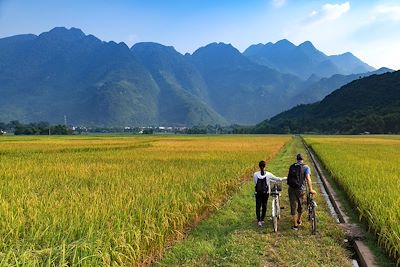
x,y
65,72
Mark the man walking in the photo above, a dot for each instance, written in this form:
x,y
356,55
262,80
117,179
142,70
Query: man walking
x,y
298,178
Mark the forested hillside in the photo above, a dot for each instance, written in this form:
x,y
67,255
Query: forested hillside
x,y
370,104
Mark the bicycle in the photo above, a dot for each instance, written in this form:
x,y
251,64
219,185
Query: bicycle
x,y
312,205
276,209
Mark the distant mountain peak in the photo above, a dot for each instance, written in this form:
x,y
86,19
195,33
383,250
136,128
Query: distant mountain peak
x,y
313,78
64,30
64,34
384,70
346,54
219,56
217,47
307,44
220,45
148,50
259,45
151,45
284,42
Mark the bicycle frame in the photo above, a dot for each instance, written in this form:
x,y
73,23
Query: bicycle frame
x,y
311,206
275,209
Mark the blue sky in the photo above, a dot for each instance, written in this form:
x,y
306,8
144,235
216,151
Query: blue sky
x,y
369,29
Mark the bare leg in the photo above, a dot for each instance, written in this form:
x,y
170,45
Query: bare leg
x,y
298,217
294,218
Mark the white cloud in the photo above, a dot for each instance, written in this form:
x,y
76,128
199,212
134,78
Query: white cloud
x,y
328,12
371,32
278,3
388,12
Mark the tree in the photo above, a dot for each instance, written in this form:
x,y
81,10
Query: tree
x,y
3,126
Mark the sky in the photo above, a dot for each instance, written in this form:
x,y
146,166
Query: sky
x,y
370,29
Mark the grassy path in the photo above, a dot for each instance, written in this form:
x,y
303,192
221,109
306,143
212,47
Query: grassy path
x,y
230,236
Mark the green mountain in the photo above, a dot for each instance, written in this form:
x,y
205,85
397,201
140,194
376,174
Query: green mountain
x,y
65,72
304,60
183,93
240,90
370,104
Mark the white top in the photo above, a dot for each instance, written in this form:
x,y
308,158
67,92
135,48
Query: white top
x,y
269,176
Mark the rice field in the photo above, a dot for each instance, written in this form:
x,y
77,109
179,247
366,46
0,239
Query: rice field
x,y
367,168
114,201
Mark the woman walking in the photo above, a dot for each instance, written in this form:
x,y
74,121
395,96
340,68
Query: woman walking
x,y
262,180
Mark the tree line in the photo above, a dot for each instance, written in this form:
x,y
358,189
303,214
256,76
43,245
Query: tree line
x,y
371,123
35,128
361,124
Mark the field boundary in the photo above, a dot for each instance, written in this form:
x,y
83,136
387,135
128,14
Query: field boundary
x,y
365,257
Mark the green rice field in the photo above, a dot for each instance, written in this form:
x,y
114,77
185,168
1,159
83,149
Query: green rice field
x,y
367,168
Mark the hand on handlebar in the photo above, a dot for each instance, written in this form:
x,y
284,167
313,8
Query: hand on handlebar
x,y
312,191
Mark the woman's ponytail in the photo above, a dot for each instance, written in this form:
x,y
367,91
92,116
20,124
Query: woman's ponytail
x,y
262,164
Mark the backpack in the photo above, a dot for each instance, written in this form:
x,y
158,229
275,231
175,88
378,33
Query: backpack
x,y
261,186
295,177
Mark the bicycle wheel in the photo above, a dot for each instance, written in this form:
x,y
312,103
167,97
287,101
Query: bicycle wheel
x,y
309,208
278,208
313,221
274,215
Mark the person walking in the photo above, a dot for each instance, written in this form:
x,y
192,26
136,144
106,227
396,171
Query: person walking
x,y
298,178
262,180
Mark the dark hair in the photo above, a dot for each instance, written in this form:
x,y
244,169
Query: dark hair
x,y
262,164
299,157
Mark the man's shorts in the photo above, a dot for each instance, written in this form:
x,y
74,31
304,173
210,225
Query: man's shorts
x,y
296,198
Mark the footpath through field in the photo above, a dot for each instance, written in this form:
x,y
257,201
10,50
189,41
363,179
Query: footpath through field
x,y
230,237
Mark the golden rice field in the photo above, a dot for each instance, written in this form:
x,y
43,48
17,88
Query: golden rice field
x,y
368,168
93,201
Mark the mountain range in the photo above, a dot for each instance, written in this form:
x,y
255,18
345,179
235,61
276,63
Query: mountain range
x,y
304,60
66,72
370,104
